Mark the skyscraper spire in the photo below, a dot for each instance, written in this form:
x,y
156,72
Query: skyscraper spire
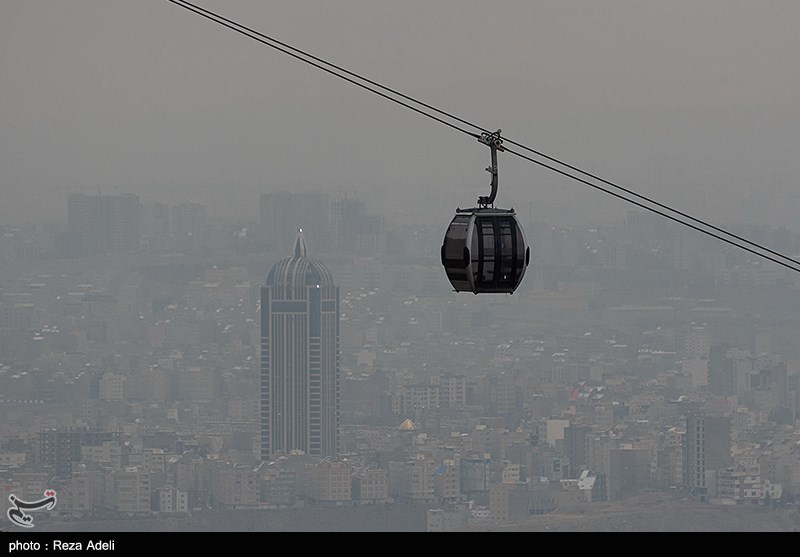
x,y
299,244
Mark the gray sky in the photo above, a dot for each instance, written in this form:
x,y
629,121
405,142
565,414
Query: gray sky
x,y
695,103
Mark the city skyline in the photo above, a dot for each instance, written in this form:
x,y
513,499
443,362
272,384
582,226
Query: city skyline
x,y
227,298
575,391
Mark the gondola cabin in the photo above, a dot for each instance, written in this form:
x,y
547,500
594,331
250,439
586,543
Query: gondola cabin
x,y
484,251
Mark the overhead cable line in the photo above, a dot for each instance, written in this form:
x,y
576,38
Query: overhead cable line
x,y
300,52
263,39
386,92
713,235
656,203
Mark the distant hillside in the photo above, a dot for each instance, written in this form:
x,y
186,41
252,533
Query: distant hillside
x,y
646,513
655,513
373,518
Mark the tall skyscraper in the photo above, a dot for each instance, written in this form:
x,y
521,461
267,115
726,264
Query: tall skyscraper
x,y
707,448
282,212
102,223
354,230
188,222
299,357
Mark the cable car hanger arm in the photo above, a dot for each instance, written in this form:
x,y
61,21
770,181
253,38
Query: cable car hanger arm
x,y
495,143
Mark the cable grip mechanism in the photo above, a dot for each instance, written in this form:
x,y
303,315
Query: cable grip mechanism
x,y
495,143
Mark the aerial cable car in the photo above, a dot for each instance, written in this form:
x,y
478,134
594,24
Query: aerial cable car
x,y
484,249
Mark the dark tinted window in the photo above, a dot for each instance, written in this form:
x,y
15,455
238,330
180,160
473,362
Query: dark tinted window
x,y
455,239
455,242
486,270
507,244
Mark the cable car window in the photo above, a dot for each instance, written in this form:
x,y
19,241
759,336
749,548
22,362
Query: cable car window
x,y
456,235
453,255
506,238
486,271
521,251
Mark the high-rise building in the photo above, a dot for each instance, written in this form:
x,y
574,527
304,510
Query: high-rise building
x,y
281,213
575,448
60,449
354,230
707,448
188,222
154,225
629,471
102,223
299,357
127,490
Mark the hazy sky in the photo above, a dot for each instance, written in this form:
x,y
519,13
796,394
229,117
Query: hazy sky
x,y
695,103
